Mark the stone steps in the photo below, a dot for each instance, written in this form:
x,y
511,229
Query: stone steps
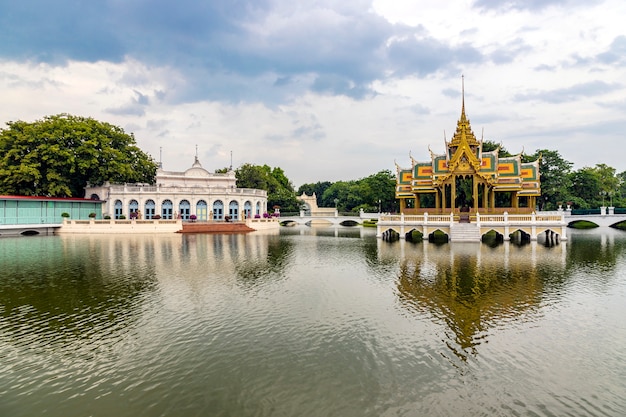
x,y
464,232
215,227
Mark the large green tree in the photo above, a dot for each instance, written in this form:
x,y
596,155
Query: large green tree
x,y
555,174
279,189
58,155
318,188
371,193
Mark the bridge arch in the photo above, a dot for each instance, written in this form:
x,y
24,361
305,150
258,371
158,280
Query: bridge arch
x,y
438,236
583,224
349,223
29,232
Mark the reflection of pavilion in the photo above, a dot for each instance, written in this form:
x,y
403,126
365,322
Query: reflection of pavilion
x,y
473,287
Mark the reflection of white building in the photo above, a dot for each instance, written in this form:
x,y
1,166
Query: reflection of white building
x,y
182,194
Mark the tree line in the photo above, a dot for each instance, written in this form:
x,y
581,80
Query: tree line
x,y
58,155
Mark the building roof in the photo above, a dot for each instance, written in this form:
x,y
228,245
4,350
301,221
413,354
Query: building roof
x,y
44,198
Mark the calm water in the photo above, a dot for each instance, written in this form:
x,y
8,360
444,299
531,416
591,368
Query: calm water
x,y
311,322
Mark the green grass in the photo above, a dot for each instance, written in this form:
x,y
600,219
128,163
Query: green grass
x,y
370,223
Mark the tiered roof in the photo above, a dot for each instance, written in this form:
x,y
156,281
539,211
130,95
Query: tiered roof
x,y
464,156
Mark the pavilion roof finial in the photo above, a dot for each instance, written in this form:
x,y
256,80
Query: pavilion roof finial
x,y
462,94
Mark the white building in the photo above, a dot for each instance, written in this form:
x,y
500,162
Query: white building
x,y
196,191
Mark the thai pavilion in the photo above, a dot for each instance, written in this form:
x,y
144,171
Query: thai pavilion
x,y
196,191
465,178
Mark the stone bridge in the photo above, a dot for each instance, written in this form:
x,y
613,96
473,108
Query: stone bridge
x,y
331,219
604,220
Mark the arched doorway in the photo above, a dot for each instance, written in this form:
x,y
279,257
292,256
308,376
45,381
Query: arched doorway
x,y
218,210
117,209
201,210
150,209
133,206
233,210
184,208
166,209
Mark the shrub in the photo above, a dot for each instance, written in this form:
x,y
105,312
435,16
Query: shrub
x,y
92,215
64,214
156,217
107,217
122,217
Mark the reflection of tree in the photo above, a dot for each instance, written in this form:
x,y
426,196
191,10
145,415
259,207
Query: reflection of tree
x,y
469,296
265,266
593,250
68,289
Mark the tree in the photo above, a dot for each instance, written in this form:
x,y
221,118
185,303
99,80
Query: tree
x,y
279,189
58,155
555,175
489,145
370,193
586,187
318,188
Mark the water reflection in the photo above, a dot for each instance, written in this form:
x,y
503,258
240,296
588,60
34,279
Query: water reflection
x,y
473,288
311,321
65,289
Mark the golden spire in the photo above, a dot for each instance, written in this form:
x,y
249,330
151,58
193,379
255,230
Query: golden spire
x,y
463,128
462,96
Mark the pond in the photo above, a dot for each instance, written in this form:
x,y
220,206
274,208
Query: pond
x,y
311,322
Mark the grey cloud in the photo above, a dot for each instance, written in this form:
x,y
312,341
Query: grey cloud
x,y
226,50
136,107
531,5
508,52
575,92
616,54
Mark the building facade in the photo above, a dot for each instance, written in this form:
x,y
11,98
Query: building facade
x,y
194,192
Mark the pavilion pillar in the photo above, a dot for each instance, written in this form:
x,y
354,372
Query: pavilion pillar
x,y
417,201
485,195
402,204
453,194
492,195
443,197
475,192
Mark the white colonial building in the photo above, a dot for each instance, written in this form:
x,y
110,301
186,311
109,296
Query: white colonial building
x,y
196,191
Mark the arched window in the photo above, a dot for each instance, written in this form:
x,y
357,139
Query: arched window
x,y
150,209
258,208
117,209
233,210
166,209
218,210
133,206
184,208
94,197
201,210
247,209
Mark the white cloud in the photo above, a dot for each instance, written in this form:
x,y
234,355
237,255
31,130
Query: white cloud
x,y
325,90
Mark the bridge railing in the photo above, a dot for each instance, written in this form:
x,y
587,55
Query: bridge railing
x,y
479,218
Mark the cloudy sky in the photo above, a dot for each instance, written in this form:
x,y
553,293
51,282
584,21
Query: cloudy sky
x,y
326,90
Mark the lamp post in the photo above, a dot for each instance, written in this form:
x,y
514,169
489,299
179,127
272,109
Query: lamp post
x,y
379,205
